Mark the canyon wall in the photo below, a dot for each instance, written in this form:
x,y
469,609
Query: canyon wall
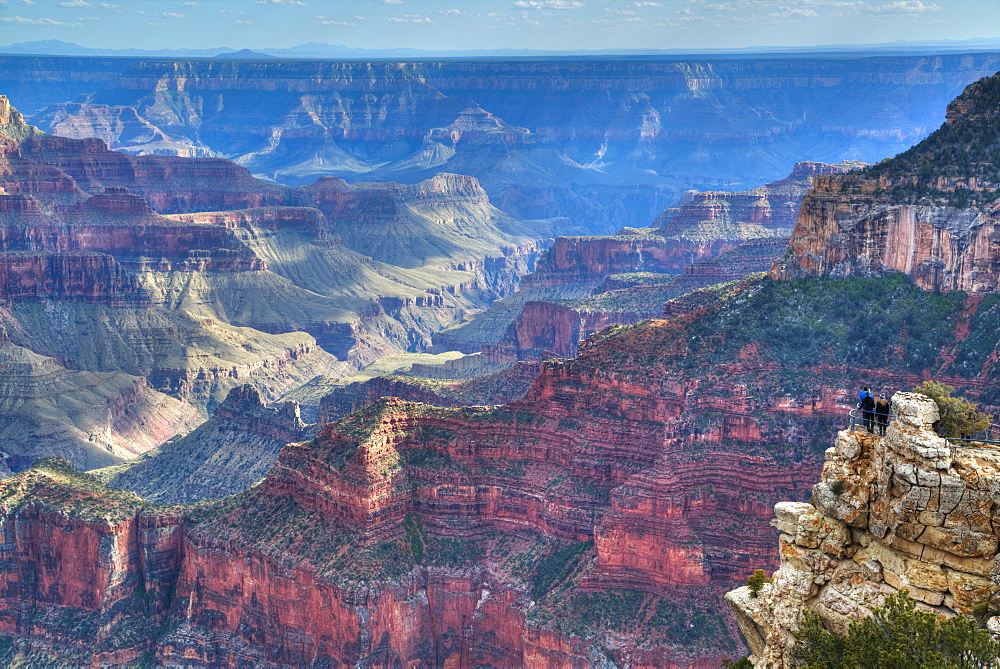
x,y
905,511
601,142
930,212
194,277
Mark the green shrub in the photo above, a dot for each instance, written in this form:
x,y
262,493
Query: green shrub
x,y
959,418
896,635
742,663
756,581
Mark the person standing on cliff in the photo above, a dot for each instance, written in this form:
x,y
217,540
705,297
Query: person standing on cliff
x,y
867,406
882,413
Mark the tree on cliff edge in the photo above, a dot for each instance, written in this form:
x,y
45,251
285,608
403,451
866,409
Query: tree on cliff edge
x,y
959,418
896,636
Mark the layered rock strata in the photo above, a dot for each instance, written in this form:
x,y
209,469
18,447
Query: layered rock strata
x,y
908,511
604,513
930,212
568,296
196,277
225,455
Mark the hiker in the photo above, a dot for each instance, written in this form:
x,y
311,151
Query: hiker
x,y
863,393
867,406
882,413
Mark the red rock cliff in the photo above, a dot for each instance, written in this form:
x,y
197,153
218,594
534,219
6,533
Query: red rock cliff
x,y
930,212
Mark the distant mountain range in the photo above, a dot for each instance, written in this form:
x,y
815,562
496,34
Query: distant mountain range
x,y
317,50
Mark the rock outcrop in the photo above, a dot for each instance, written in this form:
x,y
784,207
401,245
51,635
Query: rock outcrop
x,y
905,511
225,455
930,212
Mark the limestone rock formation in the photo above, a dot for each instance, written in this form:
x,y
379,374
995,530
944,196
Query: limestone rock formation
x,y
930,212
905,511
225,455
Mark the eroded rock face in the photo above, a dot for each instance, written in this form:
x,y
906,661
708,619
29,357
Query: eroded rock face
x,y
938,226
904,511
225,455
196,277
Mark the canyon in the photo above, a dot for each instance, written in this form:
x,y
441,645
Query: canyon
x,y
190,277
598,143
597,517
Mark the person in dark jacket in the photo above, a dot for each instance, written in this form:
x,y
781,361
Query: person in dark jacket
x,y
882,413
868,411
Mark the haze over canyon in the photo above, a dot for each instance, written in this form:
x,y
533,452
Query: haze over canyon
x,y
485,362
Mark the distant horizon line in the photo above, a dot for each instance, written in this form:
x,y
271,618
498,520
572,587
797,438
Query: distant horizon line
x,y
315,50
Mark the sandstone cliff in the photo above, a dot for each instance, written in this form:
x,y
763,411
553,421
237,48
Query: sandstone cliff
x,y
930,212
905,511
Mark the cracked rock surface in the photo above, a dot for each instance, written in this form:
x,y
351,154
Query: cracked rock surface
x,y
905,511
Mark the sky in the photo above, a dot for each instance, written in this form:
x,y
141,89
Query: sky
x,y
494,24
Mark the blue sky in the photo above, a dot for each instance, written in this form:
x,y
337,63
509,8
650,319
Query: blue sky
x,y
490,24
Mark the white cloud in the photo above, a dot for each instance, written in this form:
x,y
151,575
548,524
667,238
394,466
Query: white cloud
x,y
281,2
189,4
75,3
905,7
647,3
548,4
27,2
789,12
449,12
241,22
108,6
392,2
170,15
22,21
409,18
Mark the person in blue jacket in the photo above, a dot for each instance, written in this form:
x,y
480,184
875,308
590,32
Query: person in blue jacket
x,y
867,406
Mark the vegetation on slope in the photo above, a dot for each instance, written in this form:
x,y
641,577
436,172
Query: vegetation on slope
x,y
885,323
967,147
896,635
56,485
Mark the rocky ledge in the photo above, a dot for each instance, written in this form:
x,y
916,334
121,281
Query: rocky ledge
x,y
905,511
